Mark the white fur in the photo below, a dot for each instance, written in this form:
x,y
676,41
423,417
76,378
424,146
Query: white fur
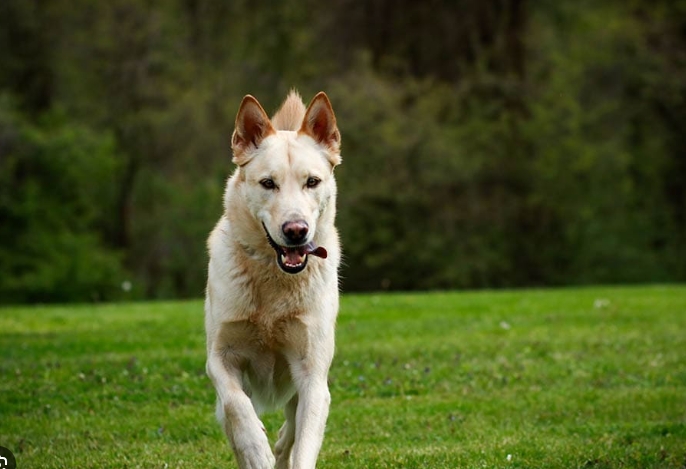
x,y
270,334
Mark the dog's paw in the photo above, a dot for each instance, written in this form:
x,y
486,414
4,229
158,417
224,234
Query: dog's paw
x,y
256,457
253,451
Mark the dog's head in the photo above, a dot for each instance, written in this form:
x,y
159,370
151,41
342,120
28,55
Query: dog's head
x,y
286,173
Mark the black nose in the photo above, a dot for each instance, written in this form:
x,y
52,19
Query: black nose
x,y
295,231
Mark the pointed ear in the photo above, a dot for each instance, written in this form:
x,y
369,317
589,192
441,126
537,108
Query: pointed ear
x,y
320,124
252,126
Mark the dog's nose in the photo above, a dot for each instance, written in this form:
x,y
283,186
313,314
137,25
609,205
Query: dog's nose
x,y
295,231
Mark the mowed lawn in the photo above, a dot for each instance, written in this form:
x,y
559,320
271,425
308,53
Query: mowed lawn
x,y
565,378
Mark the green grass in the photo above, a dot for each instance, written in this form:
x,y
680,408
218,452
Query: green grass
x,y
571,378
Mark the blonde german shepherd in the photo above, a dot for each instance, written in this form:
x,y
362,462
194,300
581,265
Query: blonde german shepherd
x,y
272,288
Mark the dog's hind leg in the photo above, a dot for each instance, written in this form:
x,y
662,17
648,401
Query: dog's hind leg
x,y
284,445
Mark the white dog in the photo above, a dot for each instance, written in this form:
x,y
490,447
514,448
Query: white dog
x,y
272,289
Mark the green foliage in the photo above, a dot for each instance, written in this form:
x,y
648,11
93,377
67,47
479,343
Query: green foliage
x,y
601,153
55,189
557,178
485,144
591,377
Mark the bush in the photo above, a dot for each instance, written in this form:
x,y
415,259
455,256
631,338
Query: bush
x,y
55,189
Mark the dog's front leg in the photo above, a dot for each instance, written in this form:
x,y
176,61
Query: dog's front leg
x,y
238,418
310,418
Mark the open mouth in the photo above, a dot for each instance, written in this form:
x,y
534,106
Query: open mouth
x,y
293,259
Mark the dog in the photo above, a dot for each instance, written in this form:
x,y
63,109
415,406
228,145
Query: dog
x,y
272,290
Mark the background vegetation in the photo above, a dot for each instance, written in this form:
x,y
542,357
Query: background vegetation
x,y
591,378
486,144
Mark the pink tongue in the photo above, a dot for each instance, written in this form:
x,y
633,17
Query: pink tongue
x,y
296,256
317,251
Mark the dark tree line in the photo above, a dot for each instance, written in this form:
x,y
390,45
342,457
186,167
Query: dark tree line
x,y
485,144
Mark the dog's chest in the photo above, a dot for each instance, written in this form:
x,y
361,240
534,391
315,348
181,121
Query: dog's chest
x,y
256,339
263,349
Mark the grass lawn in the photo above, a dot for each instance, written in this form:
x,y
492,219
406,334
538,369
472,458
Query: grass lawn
x,y
567,378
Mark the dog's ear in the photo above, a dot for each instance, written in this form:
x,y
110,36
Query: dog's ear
x,y
320,124
252,126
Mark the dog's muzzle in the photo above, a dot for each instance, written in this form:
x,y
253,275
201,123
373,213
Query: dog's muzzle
x,y
293,259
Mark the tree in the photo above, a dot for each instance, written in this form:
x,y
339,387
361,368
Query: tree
x,y
54,191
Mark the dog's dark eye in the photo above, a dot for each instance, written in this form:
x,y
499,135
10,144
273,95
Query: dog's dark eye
x,y
313,182
268,183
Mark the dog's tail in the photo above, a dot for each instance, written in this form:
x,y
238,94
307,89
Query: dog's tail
x,y
291,114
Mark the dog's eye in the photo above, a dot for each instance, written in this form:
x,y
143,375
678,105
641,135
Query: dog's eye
x,y
313,182
268,183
